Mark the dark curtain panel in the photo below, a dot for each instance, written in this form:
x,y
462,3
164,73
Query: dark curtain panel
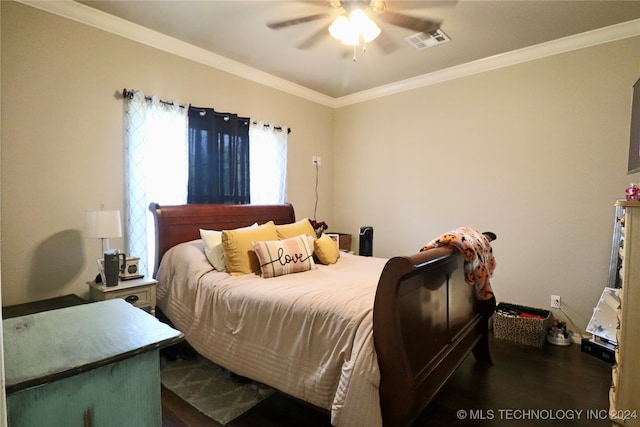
x,y
218,157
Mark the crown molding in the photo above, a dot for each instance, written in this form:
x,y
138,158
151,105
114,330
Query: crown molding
x,y
578,41
104,21
95,18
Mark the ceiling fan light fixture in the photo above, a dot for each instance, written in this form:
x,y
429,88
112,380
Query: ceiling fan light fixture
x,y
351,39
362,24
340,28
349,30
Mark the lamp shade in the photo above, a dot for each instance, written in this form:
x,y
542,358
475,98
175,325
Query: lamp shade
x,y
102,224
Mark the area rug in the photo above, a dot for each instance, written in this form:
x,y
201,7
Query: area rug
x,y
211,389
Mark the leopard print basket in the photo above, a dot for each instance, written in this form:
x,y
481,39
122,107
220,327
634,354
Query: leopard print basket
x,y
521,330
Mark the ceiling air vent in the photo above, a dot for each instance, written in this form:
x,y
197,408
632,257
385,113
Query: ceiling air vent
x,y
423,40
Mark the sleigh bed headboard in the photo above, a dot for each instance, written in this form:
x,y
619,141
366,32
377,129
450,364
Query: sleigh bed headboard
x,y
182,223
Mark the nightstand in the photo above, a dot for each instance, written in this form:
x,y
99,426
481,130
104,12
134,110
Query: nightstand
x,y
139,292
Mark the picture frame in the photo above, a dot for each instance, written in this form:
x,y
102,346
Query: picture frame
x,y
634,137
335,238
100,262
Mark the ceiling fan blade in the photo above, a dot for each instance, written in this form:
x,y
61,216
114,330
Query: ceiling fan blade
x,y
312,40
289,22
385,43
412,4
420,25
322,3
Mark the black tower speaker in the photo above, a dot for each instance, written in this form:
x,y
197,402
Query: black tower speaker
x,y
366,241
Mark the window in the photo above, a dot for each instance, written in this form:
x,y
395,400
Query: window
x,y
168,150
218,157
155,168
268,160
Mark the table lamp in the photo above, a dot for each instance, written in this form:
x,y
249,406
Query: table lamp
x,y
102,225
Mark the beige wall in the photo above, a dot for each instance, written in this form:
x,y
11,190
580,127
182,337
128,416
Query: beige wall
x,y
536,152
62,150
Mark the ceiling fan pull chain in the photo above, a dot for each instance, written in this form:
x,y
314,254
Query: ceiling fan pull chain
x,y
354,54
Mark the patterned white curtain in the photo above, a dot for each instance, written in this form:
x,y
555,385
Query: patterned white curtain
x,y
268,163
156,168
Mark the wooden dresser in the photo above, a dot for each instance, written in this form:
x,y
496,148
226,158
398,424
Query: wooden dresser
x,y
624,396
90,365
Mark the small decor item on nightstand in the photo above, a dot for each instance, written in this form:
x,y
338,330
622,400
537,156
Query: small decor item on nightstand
x,y
366,241
112,268
343,240
336,238
130,269
318,227
633,192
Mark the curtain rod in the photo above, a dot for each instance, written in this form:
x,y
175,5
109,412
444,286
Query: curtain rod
x,y
128,94
275,127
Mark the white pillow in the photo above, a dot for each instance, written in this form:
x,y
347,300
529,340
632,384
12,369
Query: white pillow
x,y
213,247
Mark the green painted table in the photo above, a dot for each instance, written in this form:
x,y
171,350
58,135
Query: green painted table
x,y
89,365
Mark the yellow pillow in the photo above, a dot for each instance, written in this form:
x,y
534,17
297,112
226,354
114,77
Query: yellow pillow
x,y
326,250
287,231
212,240
239,255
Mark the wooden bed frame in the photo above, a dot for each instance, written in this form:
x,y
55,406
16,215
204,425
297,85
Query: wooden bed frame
x,y
426,317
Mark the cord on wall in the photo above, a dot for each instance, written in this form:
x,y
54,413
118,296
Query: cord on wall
x,y
576,330
315,208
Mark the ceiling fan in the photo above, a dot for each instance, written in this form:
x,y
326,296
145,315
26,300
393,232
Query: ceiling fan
x,y
356,22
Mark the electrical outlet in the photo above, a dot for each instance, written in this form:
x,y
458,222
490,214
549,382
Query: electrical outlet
x,y
316,160
555,301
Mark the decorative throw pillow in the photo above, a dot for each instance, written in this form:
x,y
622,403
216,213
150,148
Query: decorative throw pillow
x,y
212,240
239,255
286,256
294,229
326,250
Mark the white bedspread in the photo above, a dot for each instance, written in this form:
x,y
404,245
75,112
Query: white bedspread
x,y
307,334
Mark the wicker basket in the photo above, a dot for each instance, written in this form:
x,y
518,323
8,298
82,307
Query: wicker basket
x,y
522,330
344,242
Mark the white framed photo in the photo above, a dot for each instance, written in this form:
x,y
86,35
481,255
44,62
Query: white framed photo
x,y
335,238
100,262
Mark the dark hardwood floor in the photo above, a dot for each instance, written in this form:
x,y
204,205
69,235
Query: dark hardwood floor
x,y
526,386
